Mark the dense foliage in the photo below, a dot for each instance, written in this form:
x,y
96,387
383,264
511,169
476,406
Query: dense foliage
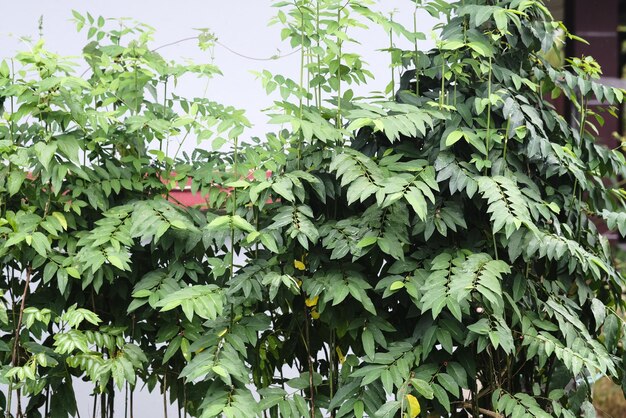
x,y
431,250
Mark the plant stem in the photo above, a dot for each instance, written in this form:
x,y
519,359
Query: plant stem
x,y
416,51
443,79
483,411
165,394
16,342
506,139
393,76
488,134
319,60
332,368
164,104
232,227
339,42
233,209
301,86
310,362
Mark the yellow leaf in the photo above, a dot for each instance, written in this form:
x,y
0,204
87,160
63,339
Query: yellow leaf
x,y
311,302
299,265
222,333
340,355
414,408
315,314
61,219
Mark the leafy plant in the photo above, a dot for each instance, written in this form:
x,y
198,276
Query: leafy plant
x,y
432,253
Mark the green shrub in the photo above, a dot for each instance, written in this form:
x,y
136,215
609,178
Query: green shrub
x,y
428,253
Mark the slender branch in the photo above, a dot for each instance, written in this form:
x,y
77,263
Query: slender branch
x,y
14,355
483,411
310,361
165,394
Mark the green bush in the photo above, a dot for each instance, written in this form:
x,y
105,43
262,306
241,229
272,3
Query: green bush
x,y
429,250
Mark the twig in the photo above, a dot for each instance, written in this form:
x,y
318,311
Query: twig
x,y
19,319
483,411
310,362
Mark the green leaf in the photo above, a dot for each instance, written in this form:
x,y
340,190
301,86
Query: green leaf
x,y
242,224
423,388
14,182
416,199
367,241
115,261
368,343
44,153
283,187
453,137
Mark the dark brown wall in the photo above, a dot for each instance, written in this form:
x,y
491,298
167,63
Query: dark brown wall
x,y
597,21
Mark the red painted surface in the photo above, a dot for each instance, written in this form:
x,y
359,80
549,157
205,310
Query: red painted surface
x,y
185,197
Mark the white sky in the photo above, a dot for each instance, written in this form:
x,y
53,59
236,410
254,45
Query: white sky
x,y
239,24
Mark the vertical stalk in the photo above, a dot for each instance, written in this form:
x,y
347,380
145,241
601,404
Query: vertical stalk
x,y
506,139
319,61
111,399
443,81
339,42
393,75
47,403
583,117
132,402
488,134
164,104
309,361
232,227
332,367
103,405
581,121
416,51
16,342
234,208
165,394
301,85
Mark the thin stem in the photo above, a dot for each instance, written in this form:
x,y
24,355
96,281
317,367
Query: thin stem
x,y
16,342
132,402
416,51
488,135
232,229
443,79
103,405
583,117
46,410
164,104
332,366
506,139
319,60
483,411
301,86
310,362
233,209
393,76
339,43
495,245
165,394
